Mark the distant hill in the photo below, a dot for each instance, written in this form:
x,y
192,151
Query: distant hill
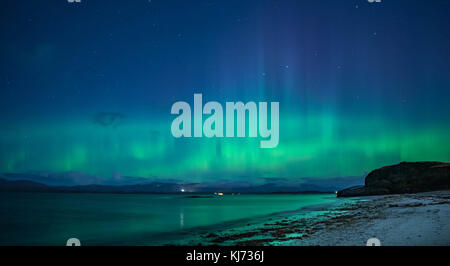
x,y
23,185
276,185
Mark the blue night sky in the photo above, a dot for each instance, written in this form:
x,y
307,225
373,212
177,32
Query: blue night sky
x,y
88,87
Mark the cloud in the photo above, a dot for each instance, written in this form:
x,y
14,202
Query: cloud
x,y
73,178
108,119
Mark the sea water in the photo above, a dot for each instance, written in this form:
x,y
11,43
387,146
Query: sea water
x,y
135,219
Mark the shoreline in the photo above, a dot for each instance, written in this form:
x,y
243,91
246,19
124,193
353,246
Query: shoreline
x,y
419,219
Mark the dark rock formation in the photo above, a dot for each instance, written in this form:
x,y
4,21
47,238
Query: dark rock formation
x,y
403,178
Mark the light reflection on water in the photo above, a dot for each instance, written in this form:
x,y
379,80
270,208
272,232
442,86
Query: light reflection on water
x,y
181,220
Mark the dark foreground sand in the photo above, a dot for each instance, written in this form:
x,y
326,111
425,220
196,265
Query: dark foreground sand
x,y
408,219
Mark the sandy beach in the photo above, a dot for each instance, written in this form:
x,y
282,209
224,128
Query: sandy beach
x,y
396,220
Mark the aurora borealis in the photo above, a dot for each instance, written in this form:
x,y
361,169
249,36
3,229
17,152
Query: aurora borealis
x,y
360,85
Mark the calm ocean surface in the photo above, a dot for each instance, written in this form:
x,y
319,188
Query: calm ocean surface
x,y
134,219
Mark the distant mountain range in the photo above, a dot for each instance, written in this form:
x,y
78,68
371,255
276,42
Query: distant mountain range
x,y
20,182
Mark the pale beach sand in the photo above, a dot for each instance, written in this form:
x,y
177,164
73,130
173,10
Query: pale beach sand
x,y
396,220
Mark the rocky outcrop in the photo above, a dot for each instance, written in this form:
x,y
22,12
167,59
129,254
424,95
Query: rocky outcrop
x,y
406,177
